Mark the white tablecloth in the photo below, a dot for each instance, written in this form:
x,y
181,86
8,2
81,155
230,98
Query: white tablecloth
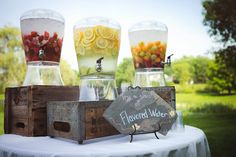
x,y
190,143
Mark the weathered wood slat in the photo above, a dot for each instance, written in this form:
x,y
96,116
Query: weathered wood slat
x,y
26,106
85,120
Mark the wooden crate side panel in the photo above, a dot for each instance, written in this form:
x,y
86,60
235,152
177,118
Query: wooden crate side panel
x,y
39,119
95,124
81,122
30,112
43,94
63,113
19,96
167,93
16,106
19,111
7,114
19,126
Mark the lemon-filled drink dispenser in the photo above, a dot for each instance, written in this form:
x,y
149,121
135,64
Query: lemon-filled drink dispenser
x,y
148,40
42,35
97,42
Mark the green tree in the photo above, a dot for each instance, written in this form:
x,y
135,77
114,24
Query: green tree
x,y
200,66
125,72
220,16
69,76
220,79
189,68
182,72
12,65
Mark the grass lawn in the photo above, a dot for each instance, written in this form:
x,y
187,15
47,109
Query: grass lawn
x,y
220,130
215,115
188,101
1,119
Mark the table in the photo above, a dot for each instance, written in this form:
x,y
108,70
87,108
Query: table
x,y
191,142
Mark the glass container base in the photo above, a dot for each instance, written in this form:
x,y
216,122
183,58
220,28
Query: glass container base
x,y
149,77
43,73
96,89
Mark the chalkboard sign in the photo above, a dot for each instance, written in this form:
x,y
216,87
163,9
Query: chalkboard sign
x,y
141,111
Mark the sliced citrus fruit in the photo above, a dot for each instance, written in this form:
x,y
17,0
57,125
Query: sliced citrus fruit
x,y
78,35
86,43
106,32
97,30
101,43
162,55
89,33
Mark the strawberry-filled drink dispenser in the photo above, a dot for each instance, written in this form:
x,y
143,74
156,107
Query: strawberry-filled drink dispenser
x,y
42,35
97,42
148,40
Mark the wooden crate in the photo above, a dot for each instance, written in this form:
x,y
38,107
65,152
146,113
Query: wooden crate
x,y
78,120
25,107
166,92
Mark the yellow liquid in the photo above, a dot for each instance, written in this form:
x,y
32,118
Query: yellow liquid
x,y
93,43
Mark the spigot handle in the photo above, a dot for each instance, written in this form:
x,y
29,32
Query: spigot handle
x,y
100,60
99,64
168,61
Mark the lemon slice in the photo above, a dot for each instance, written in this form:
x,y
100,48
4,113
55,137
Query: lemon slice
x,y
89,33
97,29
78,35
101,43
105,32
86,43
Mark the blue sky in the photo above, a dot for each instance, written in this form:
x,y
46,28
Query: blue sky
x,y
186,36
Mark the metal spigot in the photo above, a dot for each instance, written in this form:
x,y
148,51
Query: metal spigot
x,y
99,64
168,61
41,53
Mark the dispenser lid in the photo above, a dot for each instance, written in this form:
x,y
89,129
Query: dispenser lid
x,y
95,21
42,13
148,25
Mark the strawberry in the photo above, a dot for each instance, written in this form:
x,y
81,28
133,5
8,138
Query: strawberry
x,y
29,37
51,40
57,49
59,42
36,50
55,35
40,38
34,34
54,44
46,35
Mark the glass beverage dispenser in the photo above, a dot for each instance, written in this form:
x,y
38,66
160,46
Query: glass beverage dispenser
x,y
97,42
148,42
42,35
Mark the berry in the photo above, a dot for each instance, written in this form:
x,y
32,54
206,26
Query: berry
x,y
34,34
46,35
